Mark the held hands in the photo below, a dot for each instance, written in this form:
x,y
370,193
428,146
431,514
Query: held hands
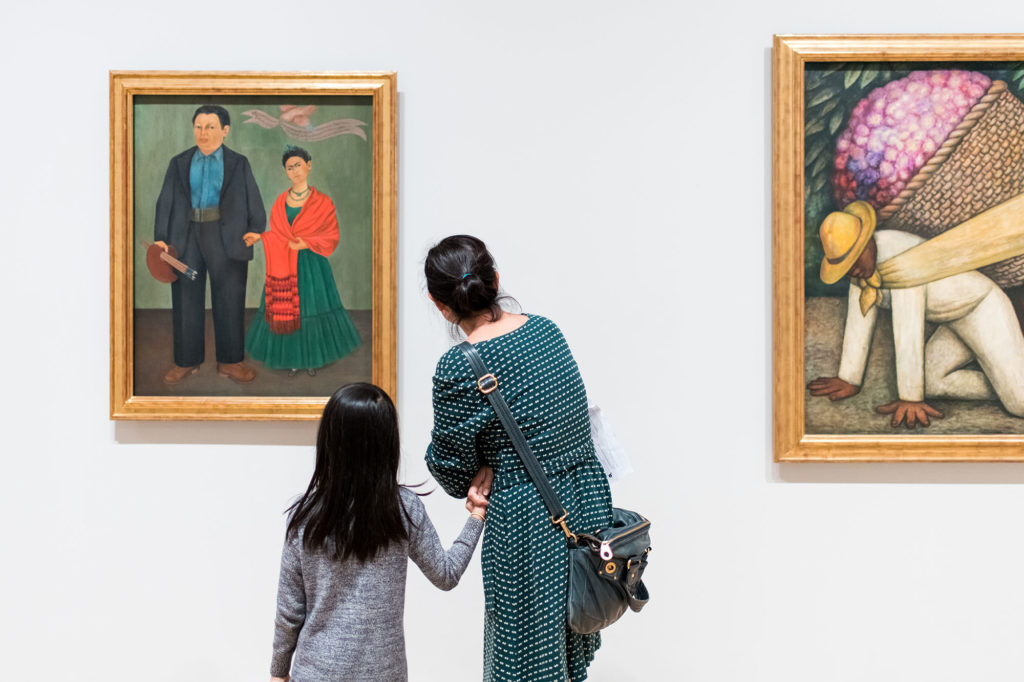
x,y
909,411
479,490
298,244
832,387
251,238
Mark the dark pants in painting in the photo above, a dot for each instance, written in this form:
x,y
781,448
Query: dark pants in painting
x,y
205,253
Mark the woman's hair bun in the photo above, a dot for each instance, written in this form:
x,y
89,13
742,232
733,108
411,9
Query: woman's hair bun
x,y
461,274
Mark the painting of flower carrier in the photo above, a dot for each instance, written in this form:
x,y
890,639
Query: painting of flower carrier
x,y
909,229
253,242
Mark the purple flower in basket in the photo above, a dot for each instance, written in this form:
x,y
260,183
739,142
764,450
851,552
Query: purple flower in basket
x,y
895,130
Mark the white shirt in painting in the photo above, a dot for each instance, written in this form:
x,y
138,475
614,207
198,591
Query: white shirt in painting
x,y
981,325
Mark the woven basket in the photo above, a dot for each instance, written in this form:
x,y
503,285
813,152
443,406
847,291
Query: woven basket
x,y
980,164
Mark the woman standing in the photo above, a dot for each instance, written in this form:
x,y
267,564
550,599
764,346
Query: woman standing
x,y
524,557
301,322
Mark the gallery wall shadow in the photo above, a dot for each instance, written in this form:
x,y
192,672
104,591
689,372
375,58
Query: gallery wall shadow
x,y
215,433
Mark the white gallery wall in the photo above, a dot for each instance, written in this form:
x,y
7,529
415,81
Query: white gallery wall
x,y
616,157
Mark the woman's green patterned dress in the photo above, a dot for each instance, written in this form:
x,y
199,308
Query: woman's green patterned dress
x,y
524,559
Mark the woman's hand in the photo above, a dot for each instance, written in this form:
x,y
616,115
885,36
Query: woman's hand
x,y
298,244
251,238
480,488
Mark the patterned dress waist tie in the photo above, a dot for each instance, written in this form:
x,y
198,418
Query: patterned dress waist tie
x,y
509,477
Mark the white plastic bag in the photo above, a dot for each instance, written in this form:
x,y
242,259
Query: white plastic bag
x,y
612,457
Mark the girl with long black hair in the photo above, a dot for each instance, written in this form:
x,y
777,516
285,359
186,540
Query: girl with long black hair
x,y
341,593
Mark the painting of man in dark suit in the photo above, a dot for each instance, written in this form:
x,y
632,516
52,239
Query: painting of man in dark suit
x,y
210,210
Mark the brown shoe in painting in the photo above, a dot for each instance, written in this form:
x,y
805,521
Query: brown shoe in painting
x,y
238,371
178,374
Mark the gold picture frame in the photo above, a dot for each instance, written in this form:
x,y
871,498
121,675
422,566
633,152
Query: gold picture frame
x,y
861,63
145,106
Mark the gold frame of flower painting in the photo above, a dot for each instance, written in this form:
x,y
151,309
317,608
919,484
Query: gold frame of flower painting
x,y
898,247
253,242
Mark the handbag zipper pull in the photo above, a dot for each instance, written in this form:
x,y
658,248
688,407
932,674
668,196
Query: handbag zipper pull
x,y
606,551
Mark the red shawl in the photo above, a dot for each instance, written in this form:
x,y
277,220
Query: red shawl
x,y
317,225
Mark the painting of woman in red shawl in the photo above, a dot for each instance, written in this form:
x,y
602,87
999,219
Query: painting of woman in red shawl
x,y
301,324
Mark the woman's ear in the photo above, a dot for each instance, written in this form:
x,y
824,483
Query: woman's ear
x,y
445,311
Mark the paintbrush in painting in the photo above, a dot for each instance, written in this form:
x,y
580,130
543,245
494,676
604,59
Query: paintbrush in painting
x,y
163,274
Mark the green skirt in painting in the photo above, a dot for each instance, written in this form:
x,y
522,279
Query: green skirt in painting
x,y
326,333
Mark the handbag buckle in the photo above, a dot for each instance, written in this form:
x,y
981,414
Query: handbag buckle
x,y
565,528
488,383
638,559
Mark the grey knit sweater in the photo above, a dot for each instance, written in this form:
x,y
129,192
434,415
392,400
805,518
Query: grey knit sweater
x,y
344,620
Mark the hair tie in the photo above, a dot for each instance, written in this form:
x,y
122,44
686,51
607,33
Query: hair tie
x,y
466,275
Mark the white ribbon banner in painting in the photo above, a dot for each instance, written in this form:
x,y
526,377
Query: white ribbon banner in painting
x,y
294,121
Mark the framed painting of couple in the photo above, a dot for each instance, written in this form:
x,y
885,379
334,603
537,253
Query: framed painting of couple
x,y
253,241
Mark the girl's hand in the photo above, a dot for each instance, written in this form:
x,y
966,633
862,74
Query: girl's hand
x,y
480,487
476,510
479,490
298,244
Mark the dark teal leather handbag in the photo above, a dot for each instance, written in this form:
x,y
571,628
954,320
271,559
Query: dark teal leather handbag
x,y
606,567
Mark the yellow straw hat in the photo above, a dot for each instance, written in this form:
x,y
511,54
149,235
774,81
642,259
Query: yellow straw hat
x,y
844,234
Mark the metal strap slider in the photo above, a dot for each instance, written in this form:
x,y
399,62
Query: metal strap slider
x,y
488,383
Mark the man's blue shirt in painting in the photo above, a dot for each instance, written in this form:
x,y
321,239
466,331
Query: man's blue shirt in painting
x,y
206,175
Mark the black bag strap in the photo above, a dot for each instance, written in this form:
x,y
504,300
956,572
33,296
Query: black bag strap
x,y
487,384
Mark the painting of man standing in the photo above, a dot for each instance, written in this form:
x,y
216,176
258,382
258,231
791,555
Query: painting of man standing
x,y
210,210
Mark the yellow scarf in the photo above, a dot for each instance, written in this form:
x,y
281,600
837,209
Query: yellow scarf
x,y
869,293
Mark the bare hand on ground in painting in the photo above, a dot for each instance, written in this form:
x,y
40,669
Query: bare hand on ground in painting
x,y
909,411
833,388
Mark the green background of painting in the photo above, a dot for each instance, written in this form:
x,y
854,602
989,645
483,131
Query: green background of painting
x,y
342,169
831,91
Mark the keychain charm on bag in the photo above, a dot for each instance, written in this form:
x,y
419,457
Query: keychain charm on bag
x,y
605,567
